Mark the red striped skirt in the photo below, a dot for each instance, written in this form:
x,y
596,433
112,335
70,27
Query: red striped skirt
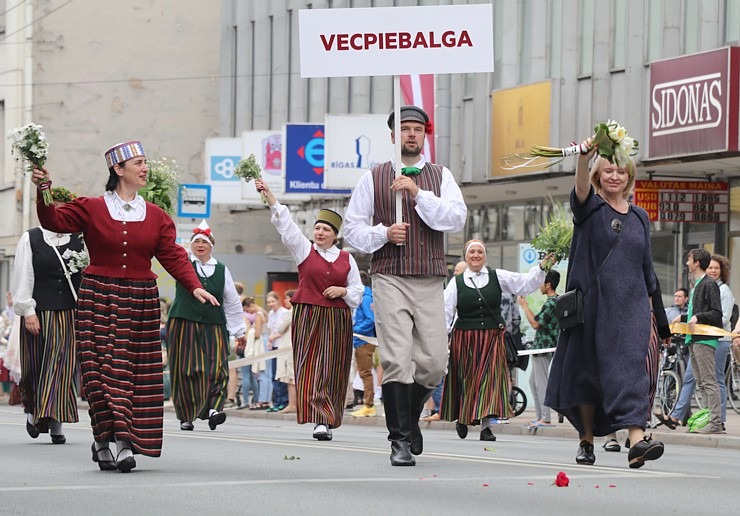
x,y
199,366
121,360
477,382
47,369
322,355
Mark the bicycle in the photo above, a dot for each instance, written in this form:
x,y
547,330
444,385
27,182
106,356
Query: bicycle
x,y
517,398
670,375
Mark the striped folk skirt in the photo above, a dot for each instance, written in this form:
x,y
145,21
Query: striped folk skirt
x,y
322,354
477,382
48,363
121,360
199,367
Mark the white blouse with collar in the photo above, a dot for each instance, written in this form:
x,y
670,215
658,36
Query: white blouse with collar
x,y
518,283
300,247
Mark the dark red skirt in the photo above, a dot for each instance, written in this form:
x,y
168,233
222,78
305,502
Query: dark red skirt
x,y
121,360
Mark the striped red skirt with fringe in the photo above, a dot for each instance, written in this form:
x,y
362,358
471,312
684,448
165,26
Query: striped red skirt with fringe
x,y
477,382
48,363
121,360
322,355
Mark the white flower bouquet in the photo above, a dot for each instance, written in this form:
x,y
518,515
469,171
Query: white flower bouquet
x,y
610,138
29,145
162,184
76,261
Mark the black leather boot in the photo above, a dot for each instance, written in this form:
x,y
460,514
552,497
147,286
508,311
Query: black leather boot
x,y
418,396
396,405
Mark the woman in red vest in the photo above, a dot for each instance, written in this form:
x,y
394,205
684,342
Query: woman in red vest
x,y
329,288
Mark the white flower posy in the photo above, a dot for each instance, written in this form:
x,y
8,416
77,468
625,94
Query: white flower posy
x,y
29,144
76,261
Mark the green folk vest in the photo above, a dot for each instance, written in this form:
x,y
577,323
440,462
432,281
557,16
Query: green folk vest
x,y
185,306
472,313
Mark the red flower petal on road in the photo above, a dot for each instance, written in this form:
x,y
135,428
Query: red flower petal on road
x,y
562,479
612,485
530,483
485,485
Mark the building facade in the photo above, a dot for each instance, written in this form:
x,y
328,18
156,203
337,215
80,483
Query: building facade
x,y
561,66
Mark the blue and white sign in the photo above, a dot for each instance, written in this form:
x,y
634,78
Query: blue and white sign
x,y
303,160
354,144
221,157
222,168
194,201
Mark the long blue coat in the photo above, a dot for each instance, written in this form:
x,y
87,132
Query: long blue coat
x,y
603,362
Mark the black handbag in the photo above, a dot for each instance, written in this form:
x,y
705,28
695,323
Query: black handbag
x,y
510,346
512,351
569,306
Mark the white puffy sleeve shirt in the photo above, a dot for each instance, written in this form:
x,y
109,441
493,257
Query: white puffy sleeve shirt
x,y
518,283
300,247
24,304
232,304
446,213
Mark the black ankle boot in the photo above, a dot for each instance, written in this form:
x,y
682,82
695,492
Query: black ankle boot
x,y
586,453
418,396
401,454
396,405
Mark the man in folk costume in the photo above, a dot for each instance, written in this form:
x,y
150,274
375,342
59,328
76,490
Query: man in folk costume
x,y
45,285
198,337
408,269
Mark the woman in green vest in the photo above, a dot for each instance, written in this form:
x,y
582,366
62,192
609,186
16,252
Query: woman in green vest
x,y
198,337
477,383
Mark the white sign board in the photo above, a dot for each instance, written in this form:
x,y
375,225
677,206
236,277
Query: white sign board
x,y
354,144
267,147
396,40
222,155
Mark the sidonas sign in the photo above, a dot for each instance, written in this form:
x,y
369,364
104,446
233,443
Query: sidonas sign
x,y
694,104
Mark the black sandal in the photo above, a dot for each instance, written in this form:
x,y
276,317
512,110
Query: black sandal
x,y
667,421
104,465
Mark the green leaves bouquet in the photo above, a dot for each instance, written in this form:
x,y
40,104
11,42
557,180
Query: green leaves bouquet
x,y
29,146
162,184
556,235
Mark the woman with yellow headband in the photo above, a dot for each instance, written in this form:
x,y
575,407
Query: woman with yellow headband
x,y
329,288
477,384
598,377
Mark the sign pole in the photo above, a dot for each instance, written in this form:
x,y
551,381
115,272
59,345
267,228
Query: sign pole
x,y
397,144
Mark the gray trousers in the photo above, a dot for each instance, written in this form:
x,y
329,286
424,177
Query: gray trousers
x,y
702,361
411,329
540,365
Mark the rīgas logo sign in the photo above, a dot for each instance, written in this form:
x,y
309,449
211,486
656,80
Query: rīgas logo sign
x,y
690,101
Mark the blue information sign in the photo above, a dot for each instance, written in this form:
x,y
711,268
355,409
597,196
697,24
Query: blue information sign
x,y
194,201
304,160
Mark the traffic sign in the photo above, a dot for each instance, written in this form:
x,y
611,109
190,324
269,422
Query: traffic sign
x,y
194,201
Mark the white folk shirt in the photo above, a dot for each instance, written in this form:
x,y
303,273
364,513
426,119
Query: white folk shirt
x,y
24,304
300,247
446,213
232,304
116,207
519,283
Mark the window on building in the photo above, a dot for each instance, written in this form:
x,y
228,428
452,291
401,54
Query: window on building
x,y
555,47
619,34
498,43
732,22
691,26
525,42
654,17
586,13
